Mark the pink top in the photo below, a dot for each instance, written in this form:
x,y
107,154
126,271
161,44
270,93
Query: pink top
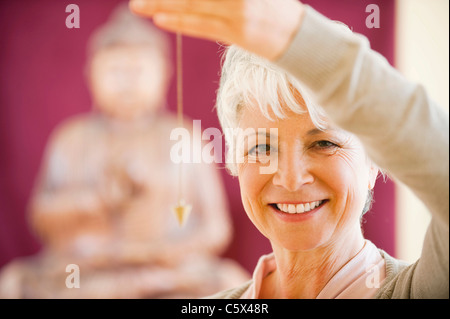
x,y
360,278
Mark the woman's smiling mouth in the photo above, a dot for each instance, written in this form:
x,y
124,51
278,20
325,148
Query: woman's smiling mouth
x,y
297,209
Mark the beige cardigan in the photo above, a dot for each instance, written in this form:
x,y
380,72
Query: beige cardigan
x,y
403,131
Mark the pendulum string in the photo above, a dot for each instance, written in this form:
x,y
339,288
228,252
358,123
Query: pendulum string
x,y
179,49
182,209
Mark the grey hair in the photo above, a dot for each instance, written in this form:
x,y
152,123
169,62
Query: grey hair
x,y
248,80
369,202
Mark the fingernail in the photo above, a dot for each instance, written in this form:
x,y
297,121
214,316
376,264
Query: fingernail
x,y
138,4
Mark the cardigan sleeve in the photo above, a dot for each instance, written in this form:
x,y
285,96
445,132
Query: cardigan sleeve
x,y
403,131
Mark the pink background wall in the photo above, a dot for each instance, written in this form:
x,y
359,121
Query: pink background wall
x,y
42,83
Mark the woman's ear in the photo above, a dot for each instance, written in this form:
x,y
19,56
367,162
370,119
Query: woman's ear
x,y
373,174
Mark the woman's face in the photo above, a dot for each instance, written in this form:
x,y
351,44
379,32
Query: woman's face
x,y
317,191
128,81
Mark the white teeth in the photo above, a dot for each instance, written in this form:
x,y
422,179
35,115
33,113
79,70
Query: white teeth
x,y
299,208
291,209
307,207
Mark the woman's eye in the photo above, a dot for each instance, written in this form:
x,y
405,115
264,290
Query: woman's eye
x,y
326,144
260,150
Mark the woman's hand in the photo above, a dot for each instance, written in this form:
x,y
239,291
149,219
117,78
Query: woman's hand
x,y
264,27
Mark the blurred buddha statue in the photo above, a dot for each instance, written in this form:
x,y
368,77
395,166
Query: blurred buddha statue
x,y
104,195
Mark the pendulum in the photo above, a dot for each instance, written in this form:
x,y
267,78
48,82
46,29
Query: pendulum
x,y
181,209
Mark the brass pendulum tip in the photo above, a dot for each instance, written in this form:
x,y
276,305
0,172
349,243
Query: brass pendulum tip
x,y
182,212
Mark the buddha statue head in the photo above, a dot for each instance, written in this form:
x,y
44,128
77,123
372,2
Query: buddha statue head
x,y
128,67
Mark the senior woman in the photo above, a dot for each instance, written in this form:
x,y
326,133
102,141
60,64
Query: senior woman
x,y
361,115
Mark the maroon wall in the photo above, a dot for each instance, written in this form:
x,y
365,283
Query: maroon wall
x,y
42,83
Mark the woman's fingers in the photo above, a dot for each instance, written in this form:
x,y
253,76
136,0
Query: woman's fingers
x,y
214,20
202,7
207,19
214,29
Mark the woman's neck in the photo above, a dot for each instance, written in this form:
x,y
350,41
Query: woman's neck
x,y
303,274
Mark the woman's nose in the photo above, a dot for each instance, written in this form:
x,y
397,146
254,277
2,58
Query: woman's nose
x,y
293,171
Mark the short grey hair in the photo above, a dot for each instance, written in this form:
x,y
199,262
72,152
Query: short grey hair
x,y
248,80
